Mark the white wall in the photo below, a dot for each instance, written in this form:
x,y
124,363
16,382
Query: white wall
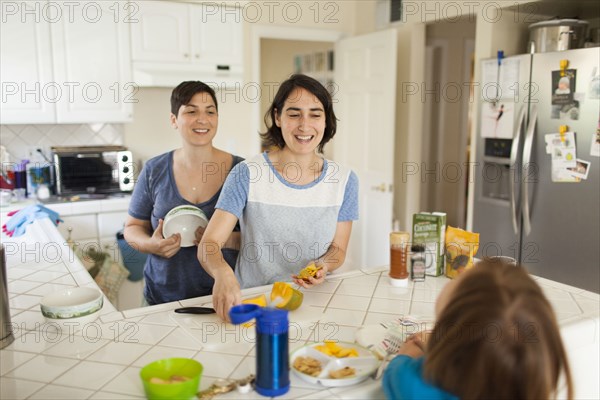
x,y
151,134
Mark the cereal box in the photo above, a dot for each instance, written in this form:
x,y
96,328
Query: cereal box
x,y
429,229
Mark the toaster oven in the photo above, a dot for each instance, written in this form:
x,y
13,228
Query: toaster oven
x,y
93,169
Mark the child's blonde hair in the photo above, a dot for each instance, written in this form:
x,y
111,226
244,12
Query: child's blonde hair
x,y
497,338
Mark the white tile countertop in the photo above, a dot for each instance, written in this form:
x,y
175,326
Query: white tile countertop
x,y
102,359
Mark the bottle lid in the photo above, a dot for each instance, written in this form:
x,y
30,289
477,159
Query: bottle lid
x,y
399,282
272,321
417,248
243,313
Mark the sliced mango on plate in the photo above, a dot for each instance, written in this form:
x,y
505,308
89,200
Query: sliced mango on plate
x,y
333,349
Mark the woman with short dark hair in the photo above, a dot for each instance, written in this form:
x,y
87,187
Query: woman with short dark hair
x,y
192,174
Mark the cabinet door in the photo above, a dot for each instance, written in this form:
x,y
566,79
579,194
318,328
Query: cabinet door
x,y
162,33
92,61
84,227
110,223
217,35
28,92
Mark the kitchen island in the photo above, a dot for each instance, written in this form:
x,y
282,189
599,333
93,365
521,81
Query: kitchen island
x,y
102,359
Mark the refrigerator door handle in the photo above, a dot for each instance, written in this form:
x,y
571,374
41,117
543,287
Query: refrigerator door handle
x,y
527,149
513,169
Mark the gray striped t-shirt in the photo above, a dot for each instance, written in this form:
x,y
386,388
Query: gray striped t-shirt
x,y
285,226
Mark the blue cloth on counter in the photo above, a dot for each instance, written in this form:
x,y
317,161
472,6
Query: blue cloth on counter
x,y
403,379
17,224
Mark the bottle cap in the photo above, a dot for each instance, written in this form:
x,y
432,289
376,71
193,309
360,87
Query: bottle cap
x,y
244,313
417,248
399,282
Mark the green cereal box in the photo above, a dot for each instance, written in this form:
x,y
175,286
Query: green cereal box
x,y
429,229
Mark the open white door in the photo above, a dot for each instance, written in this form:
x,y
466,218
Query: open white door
x,y
365,77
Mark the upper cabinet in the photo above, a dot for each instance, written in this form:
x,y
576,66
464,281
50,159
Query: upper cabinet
x,y
94,53
161,33
217,35
65,62
26,72
173,42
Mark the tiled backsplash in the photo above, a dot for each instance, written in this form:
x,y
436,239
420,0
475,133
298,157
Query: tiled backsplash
x,y
19,140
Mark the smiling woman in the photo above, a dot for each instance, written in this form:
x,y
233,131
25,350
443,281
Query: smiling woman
x,y
190,175
295,208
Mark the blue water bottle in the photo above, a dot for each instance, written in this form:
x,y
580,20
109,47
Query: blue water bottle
x,y
272,354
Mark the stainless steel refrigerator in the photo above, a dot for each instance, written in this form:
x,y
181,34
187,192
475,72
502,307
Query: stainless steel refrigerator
x,y
552,228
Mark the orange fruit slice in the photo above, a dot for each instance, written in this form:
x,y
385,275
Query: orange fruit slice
x,y
310,270
292,298
258,300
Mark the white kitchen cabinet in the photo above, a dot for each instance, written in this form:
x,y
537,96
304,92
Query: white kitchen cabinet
x,y
26,70
83,227
93,54
93,221
110,223
216,35
70,61
173,42
161,33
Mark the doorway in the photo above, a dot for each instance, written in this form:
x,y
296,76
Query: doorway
x,y
276,38
281,58
365,83
446,118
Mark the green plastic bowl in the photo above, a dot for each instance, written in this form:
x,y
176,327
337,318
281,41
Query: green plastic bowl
x,y
165,369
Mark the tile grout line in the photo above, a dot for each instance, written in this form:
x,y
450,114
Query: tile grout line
x,y
332,295
371,299
410,304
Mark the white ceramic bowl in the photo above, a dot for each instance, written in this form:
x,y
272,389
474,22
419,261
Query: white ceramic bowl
x,y
184,220
73,302
68,324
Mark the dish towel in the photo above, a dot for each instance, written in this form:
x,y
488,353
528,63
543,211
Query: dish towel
x,y
19,220
110,278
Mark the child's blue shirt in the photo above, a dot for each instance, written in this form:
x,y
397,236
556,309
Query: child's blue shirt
x,y
403,380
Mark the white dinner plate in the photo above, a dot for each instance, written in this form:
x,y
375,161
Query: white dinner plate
x,y
365,364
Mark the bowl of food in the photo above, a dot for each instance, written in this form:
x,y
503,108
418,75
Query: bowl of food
x,y
172,378
184,220
75,302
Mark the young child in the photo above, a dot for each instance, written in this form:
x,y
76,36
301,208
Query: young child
x,y
496,337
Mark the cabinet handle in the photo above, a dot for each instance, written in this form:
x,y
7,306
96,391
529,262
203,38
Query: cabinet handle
x,y
197,55
222,67
186,55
